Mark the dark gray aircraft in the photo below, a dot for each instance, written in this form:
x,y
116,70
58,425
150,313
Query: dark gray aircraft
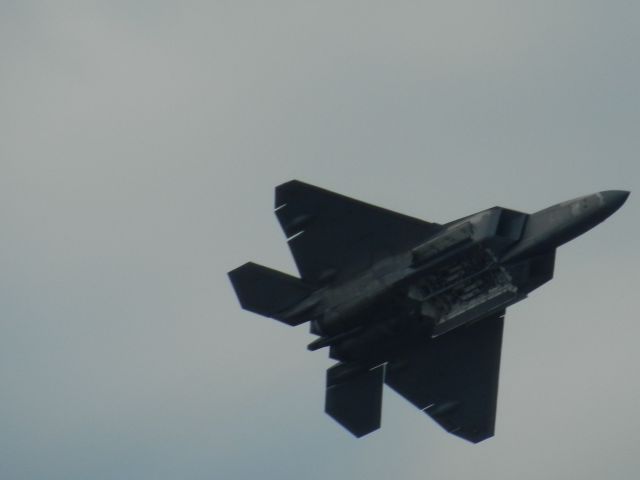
x,y
413,304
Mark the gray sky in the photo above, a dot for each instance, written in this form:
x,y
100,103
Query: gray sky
x,y
140,145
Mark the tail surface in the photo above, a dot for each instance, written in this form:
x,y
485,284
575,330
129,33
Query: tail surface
x,y
269,292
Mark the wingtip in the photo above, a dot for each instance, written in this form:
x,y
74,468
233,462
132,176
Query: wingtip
x,y
282,190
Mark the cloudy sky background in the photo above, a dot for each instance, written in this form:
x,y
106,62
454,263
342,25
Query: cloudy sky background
x,y
140,143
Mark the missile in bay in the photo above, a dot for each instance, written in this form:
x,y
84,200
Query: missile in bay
x,y
415,305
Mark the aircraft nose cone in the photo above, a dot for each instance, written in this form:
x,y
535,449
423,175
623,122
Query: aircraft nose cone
x,y
613,199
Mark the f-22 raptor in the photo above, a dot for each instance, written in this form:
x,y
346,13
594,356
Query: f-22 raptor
x,y
413,304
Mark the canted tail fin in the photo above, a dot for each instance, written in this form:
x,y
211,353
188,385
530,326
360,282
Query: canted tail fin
x,y
270,293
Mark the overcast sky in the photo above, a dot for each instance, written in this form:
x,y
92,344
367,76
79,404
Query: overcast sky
x,y
140,144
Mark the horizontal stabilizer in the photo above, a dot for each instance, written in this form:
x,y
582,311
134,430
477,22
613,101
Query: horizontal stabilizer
x,y
269,292
355,402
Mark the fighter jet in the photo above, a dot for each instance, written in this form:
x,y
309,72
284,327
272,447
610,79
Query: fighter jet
x,y
416,305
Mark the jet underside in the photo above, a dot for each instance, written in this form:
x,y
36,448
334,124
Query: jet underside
x,y
415,305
